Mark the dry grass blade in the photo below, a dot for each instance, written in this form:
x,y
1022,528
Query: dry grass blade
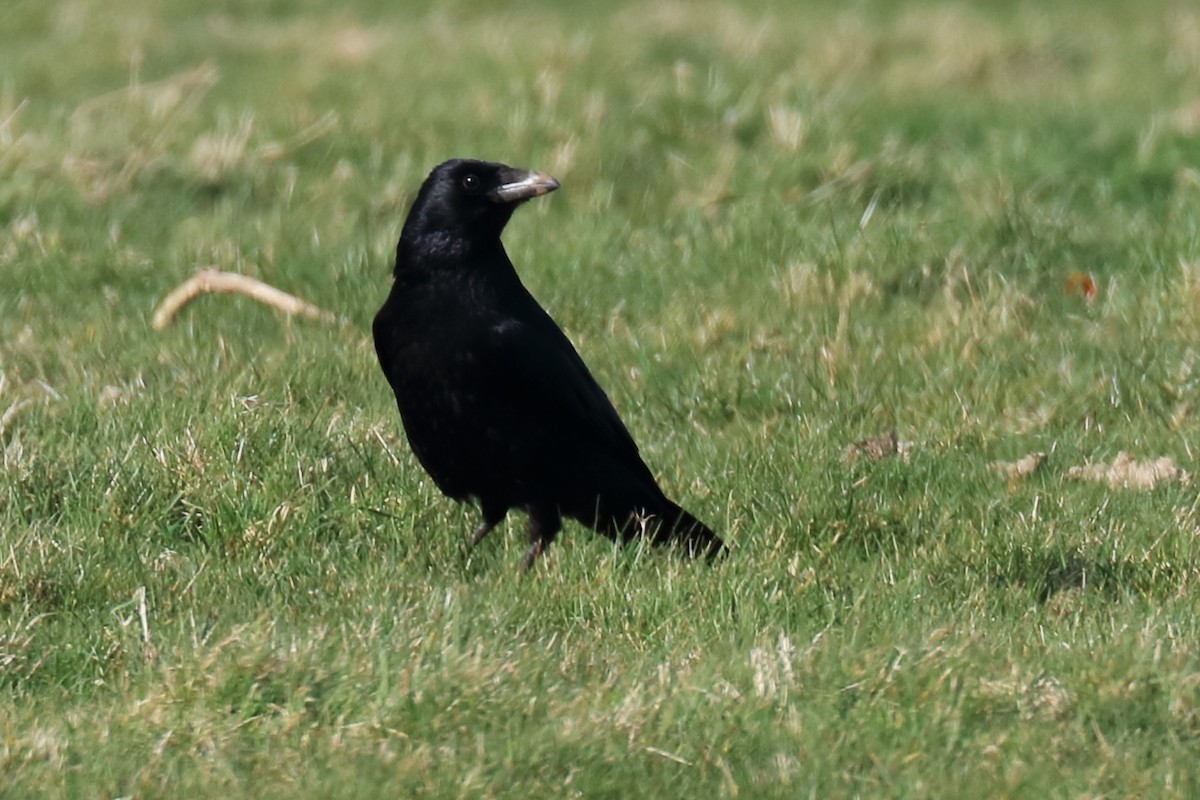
x,y
161,97
1019,469
210,280
314,132
10,414
5,136
1126,473
668,755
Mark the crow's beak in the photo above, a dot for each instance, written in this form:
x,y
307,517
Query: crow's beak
x,y
520,186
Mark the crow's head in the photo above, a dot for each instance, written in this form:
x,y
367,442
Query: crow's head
x,y
467,199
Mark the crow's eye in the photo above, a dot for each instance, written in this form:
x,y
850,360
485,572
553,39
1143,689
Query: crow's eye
x,y
471,183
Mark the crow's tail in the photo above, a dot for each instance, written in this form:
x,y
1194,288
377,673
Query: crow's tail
x,y
680,529
657,519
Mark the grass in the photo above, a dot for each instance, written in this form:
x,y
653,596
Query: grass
x,y
783,228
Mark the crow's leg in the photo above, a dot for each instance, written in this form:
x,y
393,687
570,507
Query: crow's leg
x,y
544,524
493,515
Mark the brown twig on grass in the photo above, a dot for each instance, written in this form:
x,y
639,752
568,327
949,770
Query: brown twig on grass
x,y
212,280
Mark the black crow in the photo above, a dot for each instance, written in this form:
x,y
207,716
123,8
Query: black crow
x,y
496,403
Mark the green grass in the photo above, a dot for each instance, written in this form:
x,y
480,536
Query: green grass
x,y
783,228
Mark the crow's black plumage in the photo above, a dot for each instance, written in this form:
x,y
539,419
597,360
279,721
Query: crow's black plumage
x,y
497,404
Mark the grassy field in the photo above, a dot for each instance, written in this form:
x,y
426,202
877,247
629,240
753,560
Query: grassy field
x,y
783,228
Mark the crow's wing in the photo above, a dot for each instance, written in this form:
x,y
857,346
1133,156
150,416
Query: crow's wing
x,y
545,397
